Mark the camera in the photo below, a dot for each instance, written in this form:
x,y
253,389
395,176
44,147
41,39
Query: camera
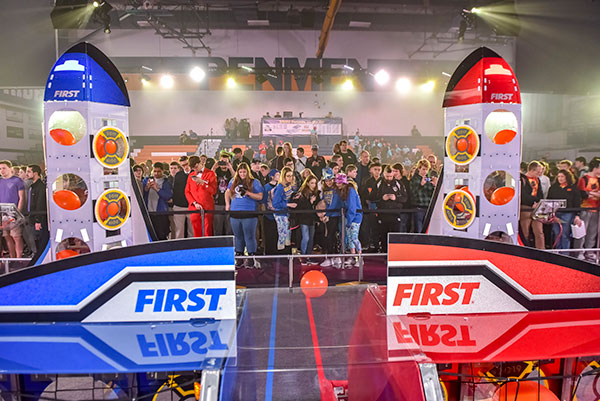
x,y
221,163
427,179
241,190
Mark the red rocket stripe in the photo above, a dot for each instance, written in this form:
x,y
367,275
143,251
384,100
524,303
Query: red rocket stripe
x,y
535,276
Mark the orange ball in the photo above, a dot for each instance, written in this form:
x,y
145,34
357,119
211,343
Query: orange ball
x,y
111,147
462,144
102,210
63,137
502,195
314,283
66,199
524,391
67,253
100,147
504,136
113,209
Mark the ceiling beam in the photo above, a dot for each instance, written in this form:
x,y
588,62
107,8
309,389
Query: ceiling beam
x,y
334,6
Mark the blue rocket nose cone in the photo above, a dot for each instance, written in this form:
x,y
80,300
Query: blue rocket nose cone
x,y
84,73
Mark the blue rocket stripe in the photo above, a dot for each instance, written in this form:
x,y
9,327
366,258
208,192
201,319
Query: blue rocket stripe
x,y
71,286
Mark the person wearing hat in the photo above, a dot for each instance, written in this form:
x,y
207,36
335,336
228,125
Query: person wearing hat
x,y
269,225
352,212
315,162
331,218
224,173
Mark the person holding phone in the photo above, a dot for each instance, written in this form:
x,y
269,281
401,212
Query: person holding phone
x,y
157,192
421,189
200,191
242,199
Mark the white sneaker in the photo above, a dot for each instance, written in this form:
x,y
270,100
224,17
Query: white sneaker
x,y
350,262
337,263
326,263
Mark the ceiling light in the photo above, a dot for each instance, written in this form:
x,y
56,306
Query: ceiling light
x,y
359,24
347,67
348,85
167,81
96,4
382,77
231,84
428,86
197,74
258,22
403,85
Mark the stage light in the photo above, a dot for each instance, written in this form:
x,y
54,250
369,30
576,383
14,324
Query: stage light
x,y
476,10
382,77
96,4
145,80
107,29
348,85
403,85
347,67
167,81
428,86
246,68
231,84
197,74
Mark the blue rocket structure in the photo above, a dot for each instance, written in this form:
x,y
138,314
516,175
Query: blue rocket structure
x,y
91,202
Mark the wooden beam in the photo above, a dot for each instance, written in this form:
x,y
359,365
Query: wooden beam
x,y
334,6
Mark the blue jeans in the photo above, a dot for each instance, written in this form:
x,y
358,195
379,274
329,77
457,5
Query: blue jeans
x,y
244,231
308,234
565,238
419,219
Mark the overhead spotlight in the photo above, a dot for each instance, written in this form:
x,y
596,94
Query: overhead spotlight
x,y
145,80
167,81
197,74
476,10
382,77
101,15
230,83
428,86
348,85
403,85
246,68
347,67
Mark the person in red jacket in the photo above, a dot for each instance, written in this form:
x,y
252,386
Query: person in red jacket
x,y
200,192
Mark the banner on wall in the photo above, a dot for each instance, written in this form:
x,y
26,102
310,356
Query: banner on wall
x,y
301,126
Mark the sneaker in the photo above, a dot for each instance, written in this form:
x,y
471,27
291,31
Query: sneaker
x,y
350,262
337,263
327,262
239,262
312,261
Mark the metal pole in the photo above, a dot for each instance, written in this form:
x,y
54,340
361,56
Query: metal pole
x,y
202,219
343,234
291,269
360,267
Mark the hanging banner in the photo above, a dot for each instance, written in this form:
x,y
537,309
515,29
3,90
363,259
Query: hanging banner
x,y
301,126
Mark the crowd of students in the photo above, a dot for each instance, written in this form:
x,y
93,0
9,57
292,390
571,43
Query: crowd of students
x,y
309,204
291,202
576,182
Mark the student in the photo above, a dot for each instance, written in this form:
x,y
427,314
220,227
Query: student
x,y
306,198
241,199
332,203
270,227
281,195
353,214
391,194
565,188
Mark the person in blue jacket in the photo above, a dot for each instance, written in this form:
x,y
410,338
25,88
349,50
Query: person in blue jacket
x,y
281,195
157,192
270,227
242,198
331,219
352,213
